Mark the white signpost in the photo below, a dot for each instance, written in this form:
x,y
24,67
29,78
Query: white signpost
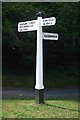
x,y
37,25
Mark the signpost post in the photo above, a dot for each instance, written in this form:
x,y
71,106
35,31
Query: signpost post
x,y
39,96
37,25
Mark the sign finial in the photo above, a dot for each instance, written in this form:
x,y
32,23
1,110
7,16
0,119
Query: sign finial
x,y
39,14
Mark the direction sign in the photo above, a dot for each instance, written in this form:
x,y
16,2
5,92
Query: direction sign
x,y
48,21
37,25
50,36
27,26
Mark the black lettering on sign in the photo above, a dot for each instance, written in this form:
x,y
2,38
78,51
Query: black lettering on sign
x,y
21,23
25,29
45,20
31,22
30,25
20,29
20,26
50,20
43,23
50,36
47,23
25,24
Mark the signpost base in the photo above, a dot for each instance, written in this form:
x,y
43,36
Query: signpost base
x,y
39,96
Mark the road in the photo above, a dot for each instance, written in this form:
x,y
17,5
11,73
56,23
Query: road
x,y
48,93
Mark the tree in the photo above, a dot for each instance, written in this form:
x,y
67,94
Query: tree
x,y
20,47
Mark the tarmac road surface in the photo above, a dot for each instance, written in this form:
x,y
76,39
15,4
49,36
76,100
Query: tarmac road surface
x,y
48,93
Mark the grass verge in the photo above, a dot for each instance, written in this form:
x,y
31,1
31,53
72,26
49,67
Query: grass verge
x,y
54,108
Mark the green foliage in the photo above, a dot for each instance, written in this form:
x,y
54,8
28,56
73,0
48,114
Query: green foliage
x,y
52,79
19,49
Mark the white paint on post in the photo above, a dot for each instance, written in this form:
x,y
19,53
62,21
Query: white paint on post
x,y
39,56
48,21
50,36
37,25
27,26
